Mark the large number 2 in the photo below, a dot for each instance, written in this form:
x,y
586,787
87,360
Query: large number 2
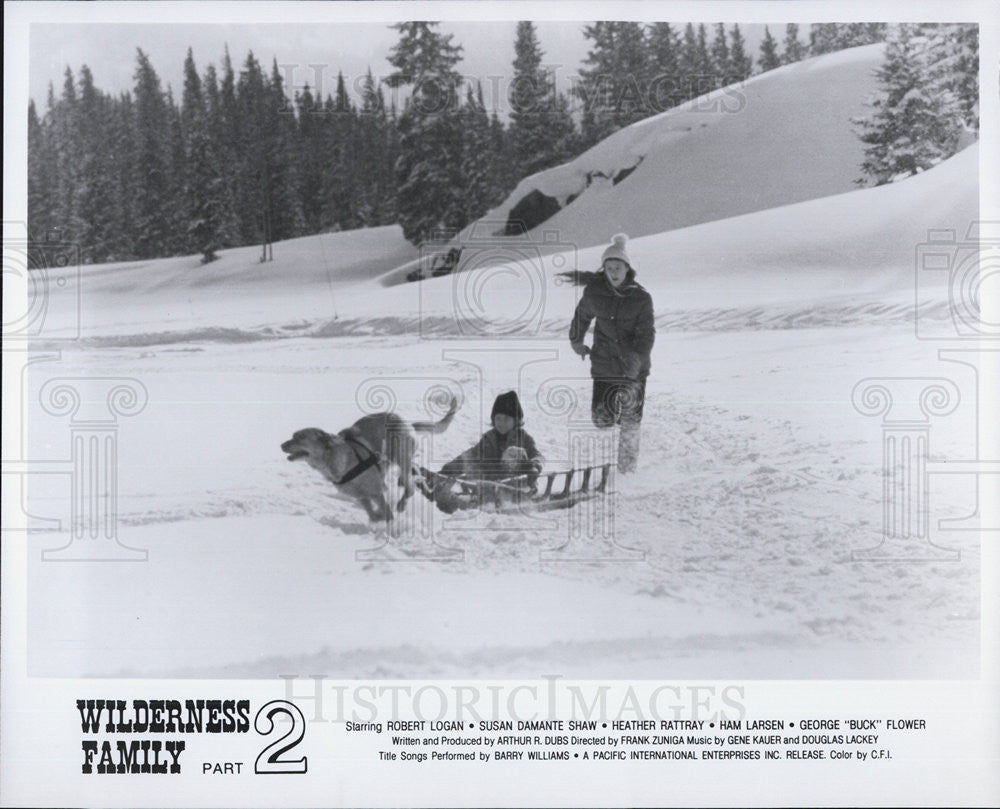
x,y
270,760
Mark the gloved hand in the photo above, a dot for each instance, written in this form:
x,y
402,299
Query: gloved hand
x,y
514,460
580,349
631,364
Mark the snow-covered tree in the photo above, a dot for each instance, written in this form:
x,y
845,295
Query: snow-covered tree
x,y
794,50
832,36
480,164
823,38
913,125
953,61
429,164
539,121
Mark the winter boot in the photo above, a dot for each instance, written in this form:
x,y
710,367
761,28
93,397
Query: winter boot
x,y
628,446
444,498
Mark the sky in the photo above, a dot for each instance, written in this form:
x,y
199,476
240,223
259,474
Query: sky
x,y
307,52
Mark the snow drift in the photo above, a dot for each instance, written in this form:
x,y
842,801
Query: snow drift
x,y
781,137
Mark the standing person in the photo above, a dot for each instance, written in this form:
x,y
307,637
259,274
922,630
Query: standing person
x,y
624,332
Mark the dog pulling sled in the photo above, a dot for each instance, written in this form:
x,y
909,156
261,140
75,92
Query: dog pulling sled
x,y
547,492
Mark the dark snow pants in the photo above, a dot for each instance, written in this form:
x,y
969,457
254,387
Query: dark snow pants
x,y
620,401
617,401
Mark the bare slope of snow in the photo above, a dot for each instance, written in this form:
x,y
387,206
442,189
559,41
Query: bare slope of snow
x,y
303,279
782,137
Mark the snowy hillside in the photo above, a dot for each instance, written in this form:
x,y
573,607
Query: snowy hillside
x,y
847,250
782,137
777,289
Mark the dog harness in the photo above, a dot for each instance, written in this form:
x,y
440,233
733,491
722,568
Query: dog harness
x,y
364,463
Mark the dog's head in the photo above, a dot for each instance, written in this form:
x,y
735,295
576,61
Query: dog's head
x,y
308,444
329,454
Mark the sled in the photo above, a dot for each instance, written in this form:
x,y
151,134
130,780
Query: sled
x,y
547,492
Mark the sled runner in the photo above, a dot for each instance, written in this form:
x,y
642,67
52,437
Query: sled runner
x,y
549,491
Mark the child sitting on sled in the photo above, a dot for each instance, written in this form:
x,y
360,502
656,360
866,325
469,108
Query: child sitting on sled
x,y
505,451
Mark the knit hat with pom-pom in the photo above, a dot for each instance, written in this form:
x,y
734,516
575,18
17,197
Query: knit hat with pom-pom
x,y
617,250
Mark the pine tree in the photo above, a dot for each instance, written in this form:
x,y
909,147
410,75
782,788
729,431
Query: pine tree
x,y
340,188
852,35
174,210
122,144
41,177
93,173
480,163
228,139
204,187
253,185
565,138
67,156
507,176
690,80
664,48
614,85
823,38
430,146
794,50
596,89
372,156
227,225
913,125
309,157
540,121
696,71
392,138
769,58
704,58
953,61
633,73
740,63
152,163
285,212
720,57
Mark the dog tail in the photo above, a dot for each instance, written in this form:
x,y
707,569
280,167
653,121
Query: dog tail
x,y
438,426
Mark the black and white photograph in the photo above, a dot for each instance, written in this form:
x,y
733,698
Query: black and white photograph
x,y
459,342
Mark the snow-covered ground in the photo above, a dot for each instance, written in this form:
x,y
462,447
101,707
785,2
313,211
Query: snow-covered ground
x,y
729,553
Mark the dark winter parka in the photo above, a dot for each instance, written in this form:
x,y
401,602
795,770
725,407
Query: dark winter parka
x,y
484,459
624,330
